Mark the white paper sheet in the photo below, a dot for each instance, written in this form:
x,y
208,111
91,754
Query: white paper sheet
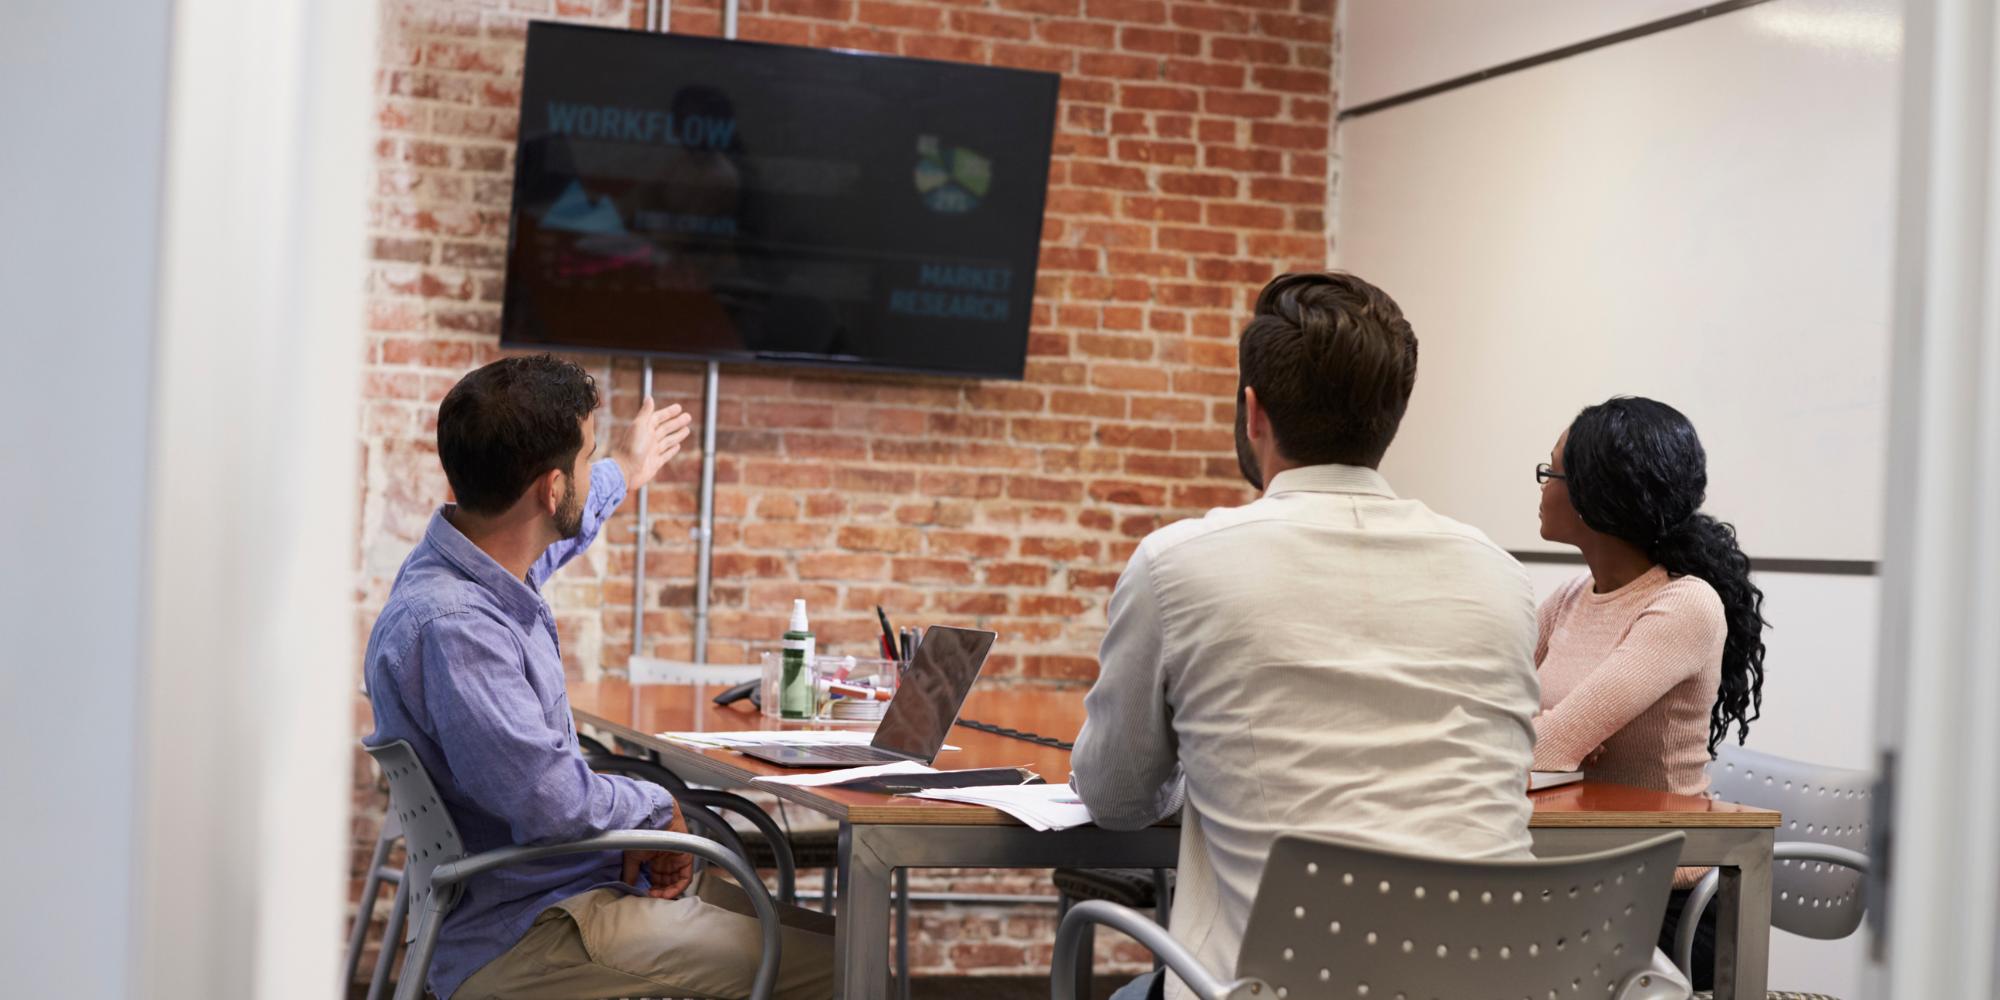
x,y
1043,807
1538,780
843,775
781,737
778,737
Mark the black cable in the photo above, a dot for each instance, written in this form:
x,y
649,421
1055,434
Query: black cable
x,y
1016,734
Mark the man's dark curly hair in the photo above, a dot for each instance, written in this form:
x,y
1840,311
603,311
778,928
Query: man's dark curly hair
x,y
504,425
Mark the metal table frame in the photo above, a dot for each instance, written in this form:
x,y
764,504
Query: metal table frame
x,y
871,853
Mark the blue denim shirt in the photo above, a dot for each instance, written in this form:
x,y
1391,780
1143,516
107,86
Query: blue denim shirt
x,y
464,664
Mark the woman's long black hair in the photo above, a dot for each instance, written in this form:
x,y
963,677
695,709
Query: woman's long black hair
x,y
1636,471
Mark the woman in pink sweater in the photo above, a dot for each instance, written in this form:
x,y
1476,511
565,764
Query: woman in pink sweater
x,y
1651,658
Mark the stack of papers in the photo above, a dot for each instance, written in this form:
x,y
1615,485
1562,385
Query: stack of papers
x,y
775,737
1043,807
844,775
760,737
1538,780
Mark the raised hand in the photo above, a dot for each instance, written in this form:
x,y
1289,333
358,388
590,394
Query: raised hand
x,y
653,438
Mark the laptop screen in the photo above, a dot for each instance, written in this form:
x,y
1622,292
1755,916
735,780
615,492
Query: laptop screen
x,y
932,690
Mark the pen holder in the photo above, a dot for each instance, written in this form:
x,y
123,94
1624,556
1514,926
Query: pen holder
x,y
825,672
871,670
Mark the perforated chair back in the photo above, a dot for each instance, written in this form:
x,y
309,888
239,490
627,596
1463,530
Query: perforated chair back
x,y
1335,920
1827,805
429,835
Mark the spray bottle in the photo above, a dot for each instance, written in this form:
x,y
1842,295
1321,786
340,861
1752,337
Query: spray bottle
x,y
795,686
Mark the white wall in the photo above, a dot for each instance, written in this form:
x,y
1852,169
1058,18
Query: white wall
x,y
1704,215
83,118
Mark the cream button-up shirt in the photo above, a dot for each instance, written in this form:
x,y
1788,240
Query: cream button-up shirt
x,y
1329,659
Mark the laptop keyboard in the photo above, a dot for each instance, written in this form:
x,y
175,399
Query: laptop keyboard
x,y
851,754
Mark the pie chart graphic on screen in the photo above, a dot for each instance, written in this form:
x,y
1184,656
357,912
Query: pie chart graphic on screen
x,y
951,179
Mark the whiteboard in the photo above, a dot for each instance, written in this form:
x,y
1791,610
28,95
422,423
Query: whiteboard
x,y
1703,215
1391,47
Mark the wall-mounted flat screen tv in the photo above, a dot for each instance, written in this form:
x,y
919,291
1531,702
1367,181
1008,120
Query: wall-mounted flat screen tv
x,y
698,198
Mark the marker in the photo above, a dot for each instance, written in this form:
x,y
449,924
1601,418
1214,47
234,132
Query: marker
x,y
859,691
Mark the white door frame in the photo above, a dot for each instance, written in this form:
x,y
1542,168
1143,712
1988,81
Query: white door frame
x,y
1940,676
246,734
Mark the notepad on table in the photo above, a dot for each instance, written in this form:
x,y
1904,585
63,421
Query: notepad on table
x,y
1043,807
841,776
1538,780
777,737
902,776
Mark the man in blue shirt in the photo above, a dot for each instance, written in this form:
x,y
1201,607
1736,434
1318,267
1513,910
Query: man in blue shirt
x,y
464,664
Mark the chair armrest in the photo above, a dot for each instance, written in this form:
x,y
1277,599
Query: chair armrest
x,y
636,767
689,801
453,872
781,845
1807,850
1704,891
702,798
1062,969
1660,982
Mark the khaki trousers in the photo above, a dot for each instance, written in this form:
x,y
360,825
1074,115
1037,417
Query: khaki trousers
x,y
604,943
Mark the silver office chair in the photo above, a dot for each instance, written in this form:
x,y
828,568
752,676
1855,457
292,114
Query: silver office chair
x,y
1334,920
379,872
1133,888
1816,884
702,808
437,866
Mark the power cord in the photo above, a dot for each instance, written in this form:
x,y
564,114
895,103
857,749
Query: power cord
x,y
1016,734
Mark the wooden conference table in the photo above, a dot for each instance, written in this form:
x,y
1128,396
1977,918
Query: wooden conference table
x,y
882,833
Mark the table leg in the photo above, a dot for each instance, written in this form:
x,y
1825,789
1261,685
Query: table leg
x,y
902,934
1743,922
861,959
871,854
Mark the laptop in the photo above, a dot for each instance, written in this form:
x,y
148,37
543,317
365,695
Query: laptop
x,y
932,690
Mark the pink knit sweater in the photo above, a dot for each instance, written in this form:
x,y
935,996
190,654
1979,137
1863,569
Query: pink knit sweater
x,y
1628,679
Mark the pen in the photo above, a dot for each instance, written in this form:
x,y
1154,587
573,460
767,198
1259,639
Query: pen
x,y
888,635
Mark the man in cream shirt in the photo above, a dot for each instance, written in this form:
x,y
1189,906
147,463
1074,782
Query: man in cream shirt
x,y
1329,659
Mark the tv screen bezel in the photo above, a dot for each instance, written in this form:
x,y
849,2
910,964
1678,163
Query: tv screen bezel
x,y
513,291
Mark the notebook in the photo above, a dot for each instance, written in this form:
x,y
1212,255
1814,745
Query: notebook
x,y
1538,780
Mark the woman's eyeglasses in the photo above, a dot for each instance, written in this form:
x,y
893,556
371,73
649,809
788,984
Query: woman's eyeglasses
x,y
1545,472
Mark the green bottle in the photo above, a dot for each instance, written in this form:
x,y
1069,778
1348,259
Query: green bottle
x,y
795,686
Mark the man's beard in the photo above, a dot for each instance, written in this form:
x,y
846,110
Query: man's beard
x,y
1246,460
569,513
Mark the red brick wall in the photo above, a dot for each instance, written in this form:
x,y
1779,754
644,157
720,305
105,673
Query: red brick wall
x,y
1191,164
